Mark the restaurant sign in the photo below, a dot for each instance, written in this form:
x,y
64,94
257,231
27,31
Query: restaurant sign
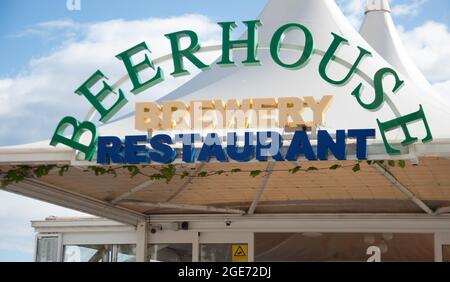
x,y
200,128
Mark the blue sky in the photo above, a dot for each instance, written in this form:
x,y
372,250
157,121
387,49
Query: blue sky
x,y
34,35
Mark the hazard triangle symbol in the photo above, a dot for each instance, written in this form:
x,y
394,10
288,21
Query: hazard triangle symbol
x,y
239,252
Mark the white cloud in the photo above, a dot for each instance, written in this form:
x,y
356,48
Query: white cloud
x,y
428,46
42,94
353,10
52,30
411,8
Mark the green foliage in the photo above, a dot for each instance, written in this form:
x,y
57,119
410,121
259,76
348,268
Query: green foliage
x,y
63,170
402,163
334,167
43,170
166,173
255,173
184,174
356,167
295,169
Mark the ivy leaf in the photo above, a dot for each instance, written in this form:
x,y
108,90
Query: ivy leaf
x,y
156,176
97,170
42,170
402,163
255,173
334,167
184,174
356,167
312,168
235,170
203,174
391,163
219,172
112,171
63,170
295,169
168,172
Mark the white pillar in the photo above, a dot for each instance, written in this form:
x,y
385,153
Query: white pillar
x,y
141,241
196,247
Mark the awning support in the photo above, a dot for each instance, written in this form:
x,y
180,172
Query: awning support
x,y
262,187
443,210
183,207
410,195
132,191
186,183
52,194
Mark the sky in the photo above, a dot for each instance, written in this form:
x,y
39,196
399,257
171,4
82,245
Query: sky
x,y
47,50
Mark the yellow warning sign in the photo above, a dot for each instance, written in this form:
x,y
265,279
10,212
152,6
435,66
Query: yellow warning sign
x,y
239,253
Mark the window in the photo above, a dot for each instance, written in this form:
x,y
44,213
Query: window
x,y
446,253
343,247
125,253
47,249
170,252
223,252
87,253
99,253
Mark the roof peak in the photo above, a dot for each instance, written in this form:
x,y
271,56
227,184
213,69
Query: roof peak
x,y
378,5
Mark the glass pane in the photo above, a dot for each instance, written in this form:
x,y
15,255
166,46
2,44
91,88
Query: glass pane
x,y
170,252
343,247
126,253
215,252
446,253
47,249
87,253
224,252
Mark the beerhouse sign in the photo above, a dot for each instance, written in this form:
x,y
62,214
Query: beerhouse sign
x,y
245,124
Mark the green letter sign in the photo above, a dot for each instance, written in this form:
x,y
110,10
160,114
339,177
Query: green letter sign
x,y
251,42
276,44
133,70
78,130
379,91
330,55
178,54
95,100
403,123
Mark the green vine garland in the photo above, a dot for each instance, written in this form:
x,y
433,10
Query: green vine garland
x,y
167,173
